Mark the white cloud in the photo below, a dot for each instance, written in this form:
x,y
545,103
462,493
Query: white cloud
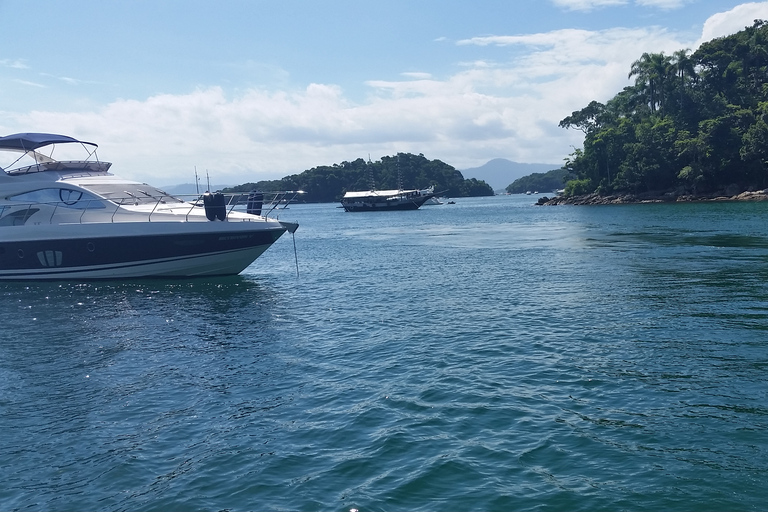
x,y
488,108
730,22
666,5
564,54
14,64
66,79
417,75
587,5
261,134
28,83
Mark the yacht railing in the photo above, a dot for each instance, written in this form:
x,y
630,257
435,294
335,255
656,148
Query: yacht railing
x,y
181,205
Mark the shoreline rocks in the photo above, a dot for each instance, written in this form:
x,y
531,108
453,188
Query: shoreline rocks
x,y
652,197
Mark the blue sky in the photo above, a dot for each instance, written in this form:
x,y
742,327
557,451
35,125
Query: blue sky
x,y
258,89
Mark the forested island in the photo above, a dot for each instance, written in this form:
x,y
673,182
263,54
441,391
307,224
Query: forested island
x,y
692,126
328,183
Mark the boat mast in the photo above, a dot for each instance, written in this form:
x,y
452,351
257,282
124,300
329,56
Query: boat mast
x,y
370,173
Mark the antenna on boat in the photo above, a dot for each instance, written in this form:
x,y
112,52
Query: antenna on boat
x,y
399,174
197,182
370,173
208,177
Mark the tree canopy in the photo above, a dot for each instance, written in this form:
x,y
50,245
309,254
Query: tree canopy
x,y
695,122
329,183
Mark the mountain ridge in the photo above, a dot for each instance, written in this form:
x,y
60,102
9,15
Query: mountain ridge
x,y
500,172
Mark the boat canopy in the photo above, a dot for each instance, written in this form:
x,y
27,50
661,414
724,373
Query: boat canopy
x,y
33,141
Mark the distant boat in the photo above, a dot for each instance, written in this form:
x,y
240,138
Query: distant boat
x,y
528,193
384,200
431,192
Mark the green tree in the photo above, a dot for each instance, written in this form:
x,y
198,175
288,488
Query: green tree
x,y
588,119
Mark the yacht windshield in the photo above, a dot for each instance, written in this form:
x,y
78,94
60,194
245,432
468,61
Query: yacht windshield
x,y
132,193
63,197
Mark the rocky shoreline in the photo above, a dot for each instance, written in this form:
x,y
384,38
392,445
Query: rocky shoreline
x,y
651,197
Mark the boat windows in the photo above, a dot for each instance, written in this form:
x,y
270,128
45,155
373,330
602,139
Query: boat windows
x,y
61,197
132,193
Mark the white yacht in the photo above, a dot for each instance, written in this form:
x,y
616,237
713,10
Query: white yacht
x,y
72,219
433,199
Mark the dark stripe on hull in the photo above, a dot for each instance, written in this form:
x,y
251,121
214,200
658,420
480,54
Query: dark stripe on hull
x,y
135,256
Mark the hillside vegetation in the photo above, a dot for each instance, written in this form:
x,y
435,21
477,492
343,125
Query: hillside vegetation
x,y
330,183
543,181
693,123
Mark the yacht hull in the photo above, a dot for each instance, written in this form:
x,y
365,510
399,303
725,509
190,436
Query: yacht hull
x,y
179,250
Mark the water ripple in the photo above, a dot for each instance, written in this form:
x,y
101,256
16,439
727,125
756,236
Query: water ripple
x,y
492,356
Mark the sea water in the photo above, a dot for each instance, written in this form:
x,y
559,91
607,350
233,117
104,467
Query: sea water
x,y
486,355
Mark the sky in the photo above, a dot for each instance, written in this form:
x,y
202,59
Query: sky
x,y
246,90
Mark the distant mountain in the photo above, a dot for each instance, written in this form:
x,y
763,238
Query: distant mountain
x,y
500,172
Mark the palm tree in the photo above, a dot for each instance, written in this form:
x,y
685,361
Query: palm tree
x,y
651,70
683,65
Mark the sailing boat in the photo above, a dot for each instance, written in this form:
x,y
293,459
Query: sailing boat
x,y
384,200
